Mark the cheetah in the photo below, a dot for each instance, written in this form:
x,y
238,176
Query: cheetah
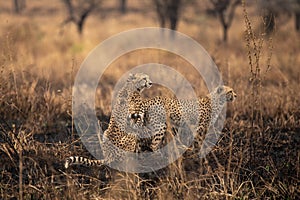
x,y
200,113
152,115
120,135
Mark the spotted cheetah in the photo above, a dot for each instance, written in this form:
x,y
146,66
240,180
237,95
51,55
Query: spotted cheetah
x,y
151,115
200,113
120,135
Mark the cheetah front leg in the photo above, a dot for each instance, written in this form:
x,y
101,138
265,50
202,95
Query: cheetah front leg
x,y
157,122
158,137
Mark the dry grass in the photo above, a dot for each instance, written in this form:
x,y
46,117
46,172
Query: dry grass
x,y
257,157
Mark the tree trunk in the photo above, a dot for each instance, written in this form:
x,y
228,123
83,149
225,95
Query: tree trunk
x,y
161,13
123,6
269,22
225,32
82,20
297,21
19,5
173,11
297,15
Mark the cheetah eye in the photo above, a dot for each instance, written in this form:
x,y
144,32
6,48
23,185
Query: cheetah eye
x,y
134,116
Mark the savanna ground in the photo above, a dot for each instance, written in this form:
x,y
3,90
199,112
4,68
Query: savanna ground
x,y
257,156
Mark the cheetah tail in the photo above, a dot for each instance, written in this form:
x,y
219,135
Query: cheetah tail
x,y
78,160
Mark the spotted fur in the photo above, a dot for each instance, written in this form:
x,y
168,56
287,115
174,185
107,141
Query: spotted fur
x,y
120,136
200,113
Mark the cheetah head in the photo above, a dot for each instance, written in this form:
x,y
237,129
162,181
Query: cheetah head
x,y
140,81
224,94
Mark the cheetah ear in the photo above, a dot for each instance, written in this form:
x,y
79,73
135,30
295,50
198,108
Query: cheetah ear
x,y
130,77
220,89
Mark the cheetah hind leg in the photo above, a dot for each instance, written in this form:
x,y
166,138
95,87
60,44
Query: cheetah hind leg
x,y
79,160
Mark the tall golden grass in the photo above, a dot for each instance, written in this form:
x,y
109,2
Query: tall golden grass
x,y
257,156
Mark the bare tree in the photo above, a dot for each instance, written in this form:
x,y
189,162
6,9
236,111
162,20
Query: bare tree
x,y
269,20
273,9
168,12
79,10
225,10
19,5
